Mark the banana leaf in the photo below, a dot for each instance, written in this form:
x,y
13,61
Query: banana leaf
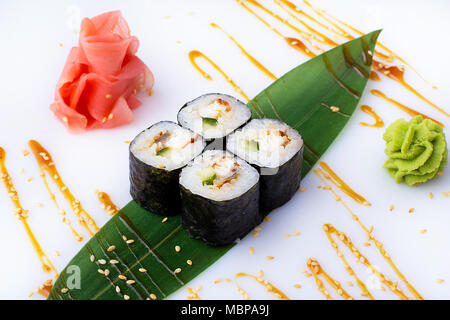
x,y
317,98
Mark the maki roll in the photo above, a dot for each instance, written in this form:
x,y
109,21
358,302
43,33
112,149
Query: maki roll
x,y
157,155
276,150
214,116
220,197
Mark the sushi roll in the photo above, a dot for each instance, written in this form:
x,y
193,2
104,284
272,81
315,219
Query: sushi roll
x,y
276,150
157,155
220,197
214,116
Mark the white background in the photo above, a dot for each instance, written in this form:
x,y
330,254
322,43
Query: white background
x,y
31,61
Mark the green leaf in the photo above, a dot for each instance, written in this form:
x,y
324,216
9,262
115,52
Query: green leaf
x,y
302,98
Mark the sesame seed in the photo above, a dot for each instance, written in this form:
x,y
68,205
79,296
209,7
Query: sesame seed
x,y
117,289
126,297
391,207
177,270
189,262
334,109
110,116
430,195
164,220
153,296
296,233
302,189
111,248
142,270
269,258
423,231
102,261
130,282
217,281
298,286
124,238
177,248
64,290
65,119
130,241
251,250
106,273
100,271
267,219
411,210
56,253
122,277
108,96
25,152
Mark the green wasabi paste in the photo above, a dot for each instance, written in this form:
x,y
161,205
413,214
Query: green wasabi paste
x,y
417,150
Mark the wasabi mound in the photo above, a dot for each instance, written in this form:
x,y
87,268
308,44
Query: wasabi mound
x,y
417,150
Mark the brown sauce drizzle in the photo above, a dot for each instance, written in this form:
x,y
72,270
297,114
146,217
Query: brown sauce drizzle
x,y
317,271
388,58
22,215
321,37
396,73
329,230
293,42
46,165
374,76
107,204
269,287
339,183
408,110
45,288
249,57
324,177
194,54
378,121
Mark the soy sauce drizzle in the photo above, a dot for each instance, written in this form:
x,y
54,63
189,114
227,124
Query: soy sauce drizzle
x,y
304,35
321,37
408,110
378,121
249,57
349,90
339,183
293,42
46,164
324,177
21,213
388,58
107,204
317,271
194,54
374,76
329,230
396,73
269,287
323,104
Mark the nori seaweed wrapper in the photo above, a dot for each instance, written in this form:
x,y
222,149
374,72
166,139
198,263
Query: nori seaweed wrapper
x,y
220,222
277,189
156,190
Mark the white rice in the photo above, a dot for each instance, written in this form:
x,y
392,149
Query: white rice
x,y
182,149
277,142
208,106
245,176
